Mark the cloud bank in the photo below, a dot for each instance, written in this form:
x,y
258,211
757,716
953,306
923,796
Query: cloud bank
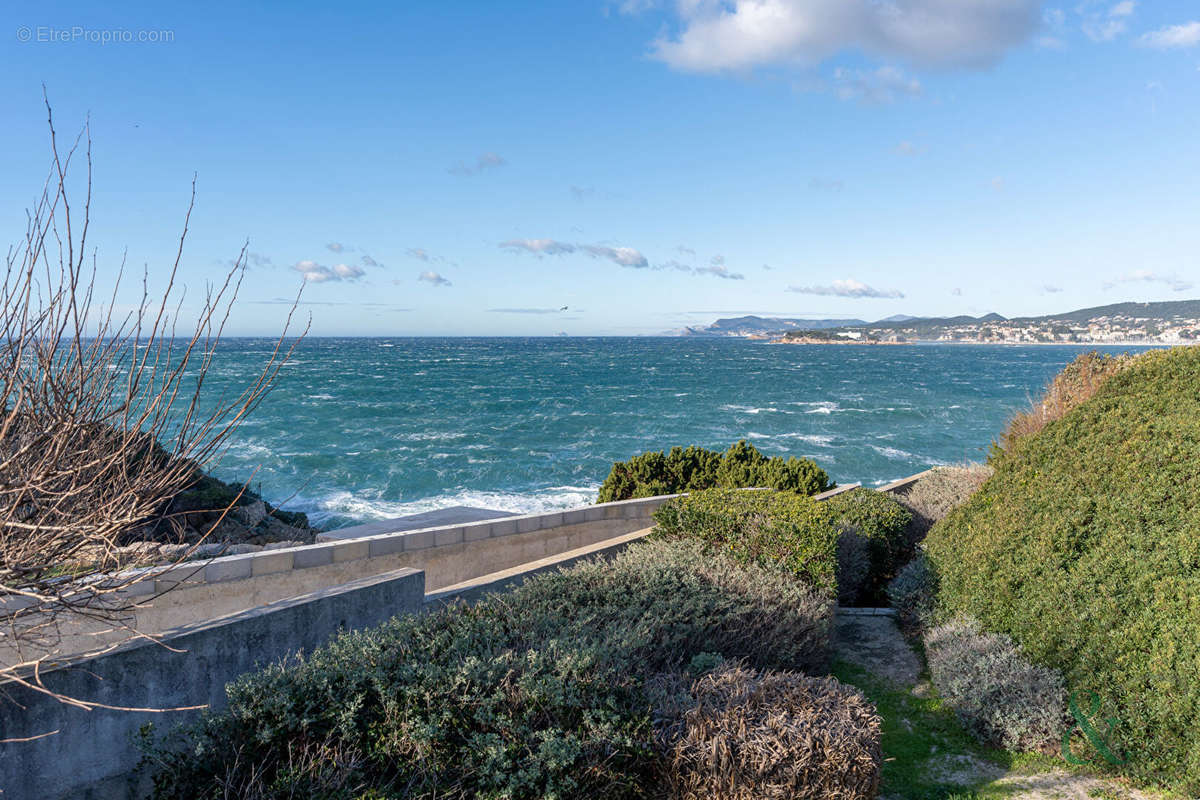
x,y
848,288
433,278
318,273
719,37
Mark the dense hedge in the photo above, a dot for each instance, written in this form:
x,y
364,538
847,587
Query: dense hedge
x,y
774,529
853,542
884,523
693,468
536,693
1083,547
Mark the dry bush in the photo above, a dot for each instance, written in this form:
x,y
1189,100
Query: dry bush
x,y
739,734
1077,382
104,419
940,491
1000,696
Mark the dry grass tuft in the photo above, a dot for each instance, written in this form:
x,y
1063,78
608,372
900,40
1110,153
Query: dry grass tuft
x,y
1077,382
739,734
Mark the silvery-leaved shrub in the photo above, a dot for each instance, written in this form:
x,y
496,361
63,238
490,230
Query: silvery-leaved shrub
x,y
913,591
997,693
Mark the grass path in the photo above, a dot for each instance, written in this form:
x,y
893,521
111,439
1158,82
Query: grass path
x,y
928,754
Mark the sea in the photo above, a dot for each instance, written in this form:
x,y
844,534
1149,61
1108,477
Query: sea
x,y
360,429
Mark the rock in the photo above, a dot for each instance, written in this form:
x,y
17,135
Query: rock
x,y
173,552
242,549
210,550
139,550
279,531
252,514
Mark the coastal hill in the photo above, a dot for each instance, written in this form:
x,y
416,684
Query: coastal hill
x,y
1174,322
761,326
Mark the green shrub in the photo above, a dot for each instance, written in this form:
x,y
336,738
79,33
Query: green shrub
x,y
740,734
694,468
883,522
998,694
535,693
1083,547
776,529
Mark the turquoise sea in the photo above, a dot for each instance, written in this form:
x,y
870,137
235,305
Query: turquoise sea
x,y
362,429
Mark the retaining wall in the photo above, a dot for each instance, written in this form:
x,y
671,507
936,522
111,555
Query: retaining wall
x,y
448,555
92,755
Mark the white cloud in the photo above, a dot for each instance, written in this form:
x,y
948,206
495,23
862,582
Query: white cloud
x,y
847,288
1048,289
1173,36
743,34
624,256
435,278
369,262
418,253
318,273
720,271
1104,25
548,247
878,86
1172,281
907,149
483,162
335,247
956,292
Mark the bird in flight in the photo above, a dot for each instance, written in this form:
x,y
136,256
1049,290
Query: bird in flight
x,y
564,308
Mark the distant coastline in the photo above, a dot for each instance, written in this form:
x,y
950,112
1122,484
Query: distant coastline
x,y
974,342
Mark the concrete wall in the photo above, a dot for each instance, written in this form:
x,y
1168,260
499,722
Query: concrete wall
x,y
92,755
448,555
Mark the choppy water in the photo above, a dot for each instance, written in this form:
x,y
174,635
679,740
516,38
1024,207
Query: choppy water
x,y
361,429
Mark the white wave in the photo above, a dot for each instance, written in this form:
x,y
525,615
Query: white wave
x,y
319,396
892,452
748,409
431,437
363,509
821,439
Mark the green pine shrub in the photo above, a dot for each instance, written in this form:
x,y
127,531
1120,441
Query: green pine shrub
x,y
774,529
693,468
999,696
538,693
1083,548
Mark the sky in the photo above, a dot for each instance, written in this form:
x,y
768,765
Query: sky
x,y
620,168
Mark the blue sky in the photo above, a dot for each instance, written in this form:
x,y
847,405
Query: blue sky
x,y
473,168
